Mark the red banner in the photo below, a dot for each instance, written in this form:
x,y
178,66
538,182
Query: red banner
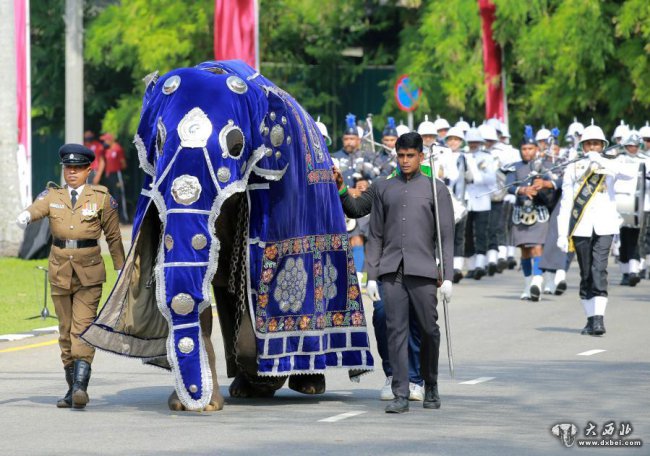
x,y
236,30
494,100
22,95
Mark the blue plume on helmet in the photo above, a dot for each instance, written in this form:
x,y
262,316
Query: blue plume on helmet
x,y
390,129
529,136
351,125
555,132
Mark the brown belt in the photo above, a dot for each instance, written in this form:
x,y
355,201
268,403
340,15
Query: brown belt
x,y
74,243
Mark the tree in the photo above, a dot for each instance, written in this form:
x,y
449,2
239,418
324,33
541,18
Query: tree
x,y
562,59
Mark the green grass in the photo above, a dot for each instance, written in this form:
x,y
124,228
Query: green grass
x,y
21,294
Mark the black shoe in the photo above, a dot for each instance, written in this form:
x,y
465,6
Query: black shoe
x,y
560,288
458,276
478,273
470,274
66,401
642,275
588,330
512,263
625,280
80,386
502,264
634,279
431,397
598,325
399,405
491,269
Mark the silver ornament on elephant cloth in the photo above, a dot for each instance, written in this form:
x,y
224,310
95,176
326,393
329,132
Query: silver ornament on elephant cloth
x,y
171,84
272,115
193,388
236,84
186,189
288,140
169,241
284,120
194,129
199,241
182,304
186,345
277,135
223,174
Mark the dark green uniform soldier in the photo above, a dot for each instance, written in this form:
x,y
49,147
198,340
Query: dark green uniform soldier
x,y
78,214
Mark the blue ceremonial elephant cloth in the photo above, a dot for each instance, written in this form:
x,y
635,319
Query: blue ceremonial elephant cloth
x,y
218,129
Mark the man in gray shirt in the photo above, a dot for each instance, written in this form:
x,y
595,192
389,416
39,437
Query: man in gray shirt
x,y
401,252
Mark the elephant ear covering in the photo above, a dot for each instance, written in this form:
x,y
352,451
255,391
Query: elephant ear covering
x,y
207,133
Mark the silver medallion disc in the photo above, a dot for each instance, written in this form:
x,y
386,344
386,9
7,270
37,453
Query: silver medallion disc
x,y
182,304
186,189
194,129
186,345
223,174
236,84
199,241
277,135
171,84
169,241
193,388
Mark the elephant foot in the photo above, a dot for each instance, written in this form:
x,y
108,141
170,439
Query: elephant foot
x,y
308,384
243,386
215,404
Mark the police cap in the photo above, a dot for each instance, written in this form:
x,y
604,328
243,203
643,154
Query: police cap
x,y
76,154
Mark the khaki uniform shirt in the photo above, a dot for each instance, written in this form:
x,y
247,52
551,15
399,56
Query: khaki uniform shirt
x,y
94,212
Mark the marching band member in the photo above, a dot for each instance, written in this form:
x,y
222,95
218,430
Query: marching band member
x,y
480,177
629,255
535,195
588,221
644,241
454,140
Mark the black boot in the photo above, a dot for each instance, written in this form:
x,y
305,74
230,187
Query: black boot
x,y
625,280
478,273
66,401
502,264
399,405
634,279
560,288
492,269
588,330
470,274
458,275
80,385
512,263
431,396
598,325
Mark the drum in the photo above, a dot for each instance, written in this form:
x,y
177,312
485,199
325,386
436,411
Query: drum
x,y
630,196
350,224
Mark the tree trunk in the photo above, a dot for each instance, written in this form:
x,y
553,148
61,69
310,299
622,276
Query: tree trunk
x,y
10,235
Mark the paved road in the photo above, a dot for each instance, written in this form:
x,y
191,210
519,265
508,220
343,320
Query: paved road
x,y
528,350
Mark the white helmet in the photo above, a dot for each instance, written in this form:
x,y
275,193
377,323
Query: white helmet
x,y
644,131
543,134
575,129
427,127
633,138
456,132
441,124
593,132
401,129
462,125
621,130
474,135
323,131
488,132
495,123
505,131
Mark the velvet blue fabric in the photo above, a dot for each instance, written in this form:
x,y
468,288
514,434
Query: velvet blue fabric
x,y
304,298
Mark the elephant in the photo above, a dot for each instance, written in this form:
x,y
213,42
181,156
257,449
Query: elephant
x,y
238,199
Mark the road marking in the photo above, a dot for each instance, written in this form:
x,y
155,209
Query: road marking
x,y
343,393
590,352
11,337
26,347
48,329
342,416
477,380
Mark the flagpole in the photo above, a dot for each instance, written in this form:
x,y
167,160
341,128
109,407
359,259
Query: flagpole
x,y
257,34
28,101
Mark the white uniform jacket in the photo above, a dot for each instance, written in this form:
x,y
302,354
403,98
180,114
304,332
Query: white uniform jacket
x,y
600,215
482,167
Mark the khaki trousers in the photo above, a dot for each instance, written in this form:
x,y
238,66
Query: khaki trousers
x,y
76,308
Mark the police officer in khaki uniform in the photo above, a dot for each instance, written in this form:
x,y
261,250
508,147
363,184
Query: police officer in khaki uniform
x,y
78,214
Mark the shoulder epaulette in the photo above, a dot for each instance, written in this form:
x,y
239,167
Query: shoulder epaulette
x,y
53,185
99,188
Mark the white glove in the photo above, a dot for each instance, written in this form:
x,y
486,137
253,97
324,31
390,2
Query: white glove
x,y
445,290
563,243
23,219
510,198
372,290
